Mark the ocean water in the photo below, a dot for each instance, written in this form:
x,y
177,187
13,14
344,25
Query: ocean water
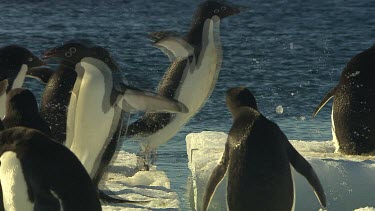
x,y
289,53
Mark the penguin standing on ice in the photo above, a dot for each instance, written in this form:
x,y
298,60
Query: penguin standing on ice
x,y
15,63
56,96
22,110
37,173
353,109
97,102
257,159
196,62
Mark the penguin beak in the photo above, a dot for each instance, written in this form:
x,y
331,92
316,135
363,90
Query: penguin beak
x,y
53,53
37,63
233,10
113,65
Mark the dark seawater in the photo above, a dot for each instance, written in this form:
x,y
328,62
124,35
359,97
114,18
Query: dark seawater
x,y
289,53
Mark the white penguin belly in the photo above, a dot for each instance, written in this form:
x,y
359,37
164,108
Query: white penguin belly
x,y
3,99
92,126
294,188
13,184
72,107
334,137
20,78
198,83
70,120
17,83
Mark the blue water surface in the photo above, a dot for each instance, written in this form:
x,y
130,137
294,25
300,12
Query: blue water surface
x,y
289,53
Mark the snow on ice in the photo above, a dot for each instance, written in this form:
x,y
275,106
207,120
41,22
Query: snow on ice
x,y
152,186
348,181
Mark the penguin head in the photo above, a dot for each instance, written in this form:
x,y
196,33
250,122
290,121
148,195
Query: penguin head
x,y
238,97
21,101
14,139
219,8
12,57
74,51
102,54
15,56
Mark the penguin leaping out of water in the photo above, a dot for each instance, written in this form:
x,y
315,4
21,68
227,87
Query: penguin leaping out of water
x,y
196,61
98,100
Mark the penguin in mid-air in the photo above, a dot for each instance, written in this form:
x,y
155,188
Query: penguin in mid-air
x,y
97,102
16,63
196,61
22,110
257,159
353,108
39,174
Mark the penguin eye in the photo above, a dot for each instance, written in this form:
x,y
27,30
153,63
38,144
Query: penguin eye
x,y
223,8
216,11
106,60
30,59
73,49
68,54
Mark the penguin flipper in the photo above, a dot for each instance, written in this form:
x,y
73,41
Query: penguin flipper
x,y
216,177
302,166
140,100
42,74
324,101
171,45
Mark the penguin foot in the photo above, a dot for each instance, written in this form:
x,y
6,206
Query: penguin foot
x,y
153,156
142,165
146,158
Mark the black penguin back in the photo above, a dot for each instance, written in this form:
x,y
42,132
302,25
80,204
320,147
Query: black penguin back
x,y
22,110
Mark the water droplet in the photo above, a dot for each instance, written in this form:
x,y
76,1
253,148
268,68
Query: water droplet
x,y
279,109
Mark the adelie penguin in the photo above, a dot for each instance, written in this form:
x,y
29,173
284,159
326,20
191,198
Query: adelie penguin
x,y
353,108
98,100
22,110
196,61
56,96
16,63
257,160
40,174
